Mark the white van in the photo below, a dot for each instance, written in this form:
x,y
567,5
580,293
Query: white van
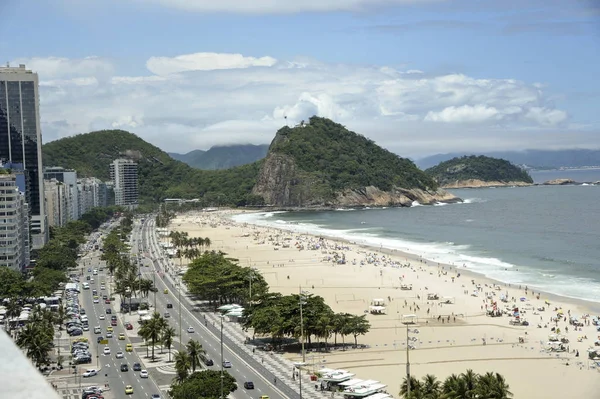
x,y
86,286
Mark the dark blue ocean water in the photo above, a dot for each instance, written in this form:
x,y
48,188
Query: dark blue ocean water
x,y
547,237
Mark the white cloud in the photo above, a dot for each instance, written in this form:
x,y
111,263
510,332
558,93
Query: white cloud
x,y
410,113
204,62
280,6
58,67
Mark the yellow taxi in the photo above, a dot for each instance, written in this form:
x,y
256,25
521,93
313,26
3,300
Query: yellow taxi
x,y
109,329
128,390
166,291
128,348
80,339
264,397
121,336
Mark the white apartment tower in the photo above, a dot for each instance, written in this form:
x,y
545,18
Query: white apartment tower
x,y
57,202
21,139
14,224
124,175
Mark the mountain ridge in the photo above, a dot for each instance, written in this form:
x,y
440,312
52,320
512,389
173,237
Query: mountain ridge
x,y
223,156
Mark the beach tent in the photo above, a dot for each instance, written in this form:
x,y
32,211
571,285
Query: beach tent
x,y
353,381
377,309
409,319
377,302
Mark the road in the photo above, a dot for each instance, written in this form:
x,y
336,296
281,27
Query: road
x,y
109,365
244,367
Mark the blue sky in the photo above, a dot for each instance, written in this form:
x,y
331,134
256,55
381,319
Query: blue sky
x,y
418,77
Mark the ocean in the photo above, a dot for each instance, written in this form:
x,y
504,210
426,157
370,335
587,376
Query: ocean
x,y
545,237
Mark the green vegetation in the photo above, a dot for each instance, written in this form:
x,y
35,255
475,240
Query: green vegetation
x,y
340,159
203,385
160,176
187,247
223,157
479,168
466,385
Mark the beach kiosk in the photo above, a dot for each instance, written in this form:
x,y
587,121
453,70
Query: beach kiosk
x,y
377,306
409,319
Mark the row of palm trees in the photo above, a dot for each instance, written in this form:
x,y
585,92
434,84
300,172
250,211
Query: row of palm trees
x,y
188,247
158,331
188,360
37,337
467,385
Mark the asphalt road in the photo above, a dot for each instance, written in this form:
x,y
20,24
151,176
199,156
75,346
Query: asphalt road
x,y
244,367
109,365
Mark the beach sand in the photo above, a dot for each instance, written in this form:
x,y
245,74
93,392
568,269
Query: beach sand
x,y
452,337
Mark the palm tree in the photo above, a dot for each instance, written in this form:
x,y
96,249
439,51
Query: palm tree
x,y
145,286
454,387
37,341
415,388
182,366
13,309
167,339
470,381
431,387
492,386
195,349
152,329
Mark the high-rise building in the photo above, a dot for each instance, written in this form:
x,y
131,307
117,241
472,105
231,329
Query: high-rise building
x,y
21,139
69,178
14,222
57,202
124,175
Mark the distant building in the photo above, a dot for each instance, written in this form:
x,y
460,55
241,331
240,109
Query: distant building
x,y
69,178
21,139
57,202
124,175
14,223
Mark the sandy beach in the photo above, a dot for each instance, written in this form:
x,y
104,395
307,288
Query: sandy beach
x,y
455,332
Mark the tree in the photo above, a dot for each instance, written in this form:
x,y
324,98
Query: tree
x,y
152,329
358,325
467,385
415,388
203,384
182,366
167,339
195,351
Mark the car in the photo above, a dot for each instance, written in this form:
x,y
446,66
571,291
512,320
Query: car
x,y
107,301
128,348
113,317
90,373
108,311
155,396
190,330
88,278
86,328
109,334
120,355
102,286
121,336
137,367
113,323
128,390
208,361
104,297
100,338
97,330
227,364
144,374
109,328
167,315
96,300
264,397
106,350
82,311
128,326
166,291
95,272
124,367
249,385
169,306
89,270
101,317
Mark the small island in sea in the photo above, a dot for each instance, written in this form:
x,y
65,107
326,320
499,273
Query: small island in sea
x,y
478,171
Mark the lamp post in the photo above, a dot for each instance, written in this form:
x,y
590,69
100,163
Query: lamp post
x,y
222,376
302,302
179,299
415,331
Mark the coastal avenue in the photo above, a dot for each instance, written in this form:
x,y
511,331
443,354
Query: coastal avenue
x,y
243,368
109,365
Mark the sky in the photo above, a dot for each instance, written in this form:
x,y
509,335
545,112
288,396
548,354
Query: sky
x,y
418,77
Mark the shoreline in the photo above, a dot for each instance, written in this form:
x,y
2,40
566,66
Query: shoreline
x,y
591,306
453,337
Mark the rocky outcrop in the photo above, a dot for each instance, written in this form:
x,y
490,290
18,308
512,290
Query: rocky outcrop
x,y
475,183
559,182
282,184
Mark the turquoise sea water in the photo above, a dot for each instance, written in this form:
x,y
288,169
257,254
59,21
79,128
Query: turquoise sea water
x,y
547,237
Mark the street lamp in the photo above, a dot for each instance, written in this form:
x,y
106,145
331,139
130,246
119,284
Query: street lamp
x,y
408,340
303,295
222,376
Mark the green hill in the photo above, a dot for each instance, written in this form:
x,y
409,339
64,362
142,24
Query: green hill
x,y
485,169
160,176
223,157
322,163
